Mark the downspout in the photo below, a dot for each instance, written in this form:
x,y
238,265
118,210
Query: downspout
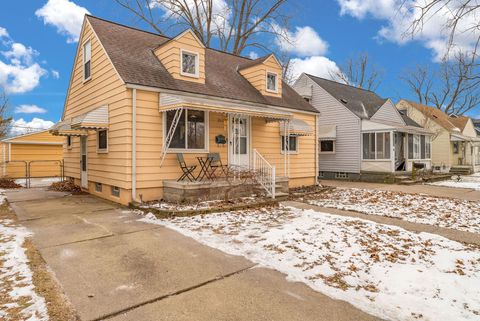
x,y
134,144
317,159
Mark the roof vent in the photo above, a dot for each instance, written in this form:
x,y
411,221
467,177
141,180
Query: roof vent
x,y
343,100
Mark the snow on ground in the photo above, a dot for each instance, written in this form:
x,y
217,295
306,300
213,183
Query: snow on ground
x,y
203,205
17,294
39,182
417,208
470,181
384,270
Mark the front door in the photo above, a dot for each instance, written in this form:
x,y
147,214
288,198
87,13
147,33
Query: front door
x,y
399,148
239,141
83,162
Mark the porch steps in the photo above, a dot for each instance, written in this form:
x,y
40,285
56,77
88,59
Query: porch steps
x,y
281,196
460,170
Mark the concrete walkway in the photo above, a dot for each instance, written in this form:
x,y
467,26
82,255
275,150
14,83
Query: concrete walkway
x,y
455,235
113,267
439,191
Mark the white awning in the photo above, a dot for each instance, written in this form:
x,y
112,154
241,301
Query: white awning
x,y
327,132
172,102
64,128
462,138
297,127
94,119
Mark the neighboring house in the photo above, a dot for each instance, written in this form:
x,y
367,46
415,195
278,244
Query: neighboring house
x,y
456,147
476,123
362,135
41,149
136,99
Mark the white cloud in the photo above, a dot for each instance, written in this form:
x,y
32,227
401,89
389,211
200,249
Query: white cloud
x,y
304,41
19,73
253,55
55,74
29,109
65,15
3,33
399,15
20,126
316,65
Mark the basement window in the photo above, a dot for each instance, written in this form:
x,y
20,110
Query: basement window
x,y
116,191
98,187
341,175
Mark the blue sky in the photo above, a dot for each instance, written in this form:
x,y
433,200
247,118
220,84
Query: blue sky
x,y
37,71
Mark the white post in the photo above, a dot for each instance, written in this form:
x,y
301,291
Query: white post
x,y
134,145
285,149
273,182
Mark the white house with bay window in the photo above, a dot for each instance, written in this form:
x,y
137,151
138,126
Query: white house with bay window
x,y
361,133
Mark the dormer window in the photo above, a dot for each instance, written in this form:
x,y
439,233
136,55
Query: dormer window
x,y
189,62
87,57
272,82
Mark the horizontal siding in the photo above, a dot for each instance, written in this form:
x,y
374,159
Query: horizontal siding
x,y
44,160
103,89
347,155
388,113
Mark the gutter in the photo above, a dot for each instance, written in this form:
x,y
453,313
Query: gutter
x,y
134,144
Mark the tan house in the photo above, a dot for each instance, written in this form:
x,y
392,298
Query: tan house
x,y
455,145
137,99
39,152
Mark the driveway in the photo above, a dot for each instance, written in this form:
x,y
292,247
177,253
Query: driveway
x,y
113,267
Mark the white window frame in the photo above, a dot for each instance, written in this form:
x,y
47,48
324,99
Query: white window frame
x,y
375,145
85,61
282,137
197,63
276,82
328,152
416,145
69,142
102,150
189,150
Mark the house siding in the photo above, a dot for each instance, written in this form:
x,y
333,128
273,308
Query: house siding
x,y
388,114
105,88
348,144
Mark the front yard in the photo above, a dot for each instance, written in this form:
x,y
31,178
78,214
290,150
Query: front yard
x,y
443,212
470,181
384,270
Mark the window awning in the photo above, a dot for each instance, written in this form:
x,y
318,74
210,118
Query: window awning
x,y
172,102
297,127
94,119
462,138
327,132
64,128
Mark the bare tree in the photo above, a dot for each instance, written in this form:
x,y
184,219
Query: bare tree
x,y
451,88
358,71
4,121
236,24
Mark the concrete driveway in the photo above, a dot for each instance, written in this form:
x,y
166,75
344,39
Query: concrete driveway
x,y
113,267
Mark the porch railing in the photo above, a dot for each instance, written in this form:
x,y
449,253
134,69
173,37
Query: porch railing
x,y
265,173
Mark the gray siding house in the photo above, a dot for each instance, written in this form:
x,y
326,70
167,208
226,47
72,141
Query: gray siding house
x,y
361,134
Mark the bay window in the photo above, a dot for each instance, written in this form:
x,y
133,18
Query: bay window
x,y
191,131
376,145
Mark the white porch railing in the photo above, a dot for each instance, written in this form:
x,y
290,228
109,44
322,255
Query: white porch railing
x,y
265,173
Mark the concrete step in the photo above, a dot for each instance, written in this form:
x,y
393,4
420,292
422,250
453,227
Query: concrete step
x,y
281,195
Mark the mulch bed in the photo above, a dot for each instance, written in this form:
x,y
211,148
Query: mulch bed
x,y
8,183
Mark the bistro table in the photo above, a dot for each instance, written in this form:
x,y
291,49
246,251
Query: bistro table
x,y
205,163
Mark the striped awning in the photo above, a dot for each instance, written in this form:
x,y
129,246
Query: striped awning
x,y
297,127
94,119
173,102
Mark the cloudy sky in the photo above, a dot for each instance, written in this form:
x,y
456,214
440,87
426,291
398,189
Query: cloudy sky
x,y
38,39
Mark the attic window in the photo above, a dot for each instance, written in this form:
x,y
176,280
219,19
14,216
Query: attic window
x,y
272,82
87,57
189,63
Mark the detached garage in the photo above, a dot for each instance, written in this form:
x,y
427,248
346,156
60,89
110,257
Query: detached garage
x,y
40,153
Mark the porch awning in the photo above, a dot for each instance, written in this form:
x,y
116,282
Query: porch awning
x,y
297,127
64,128
327,132
172,102
462,138
94,119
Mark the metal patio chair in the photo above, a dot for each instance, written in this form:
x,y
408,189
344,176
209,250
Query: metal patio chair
x,y
216,164
187,170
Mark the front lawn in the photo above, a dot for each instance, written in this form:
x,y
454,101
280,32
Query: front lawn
x,y
384,270
417,208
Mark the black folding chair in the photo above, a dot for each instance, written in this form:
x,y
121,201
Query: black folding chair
x,y
216,164
187,170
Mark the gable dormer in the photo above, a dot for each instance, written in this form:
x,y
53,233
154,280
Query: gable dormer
x,y
183,57
265,74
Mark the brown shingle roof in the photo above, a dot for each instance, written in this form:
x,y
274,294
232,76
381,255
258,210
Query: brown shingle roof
x,y
436,115
131,52
253,62
459,121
